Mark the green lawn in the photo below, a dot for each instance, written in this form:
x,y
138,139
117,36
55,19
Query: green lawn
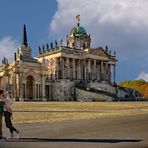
x,y
29,112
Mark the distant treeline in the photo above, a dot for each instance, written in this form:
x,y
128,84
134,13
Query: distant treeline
x,y
139,85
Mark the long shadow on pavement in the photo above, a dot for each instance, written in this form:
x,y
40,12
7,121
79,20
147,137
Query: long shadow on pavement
x,y
72,140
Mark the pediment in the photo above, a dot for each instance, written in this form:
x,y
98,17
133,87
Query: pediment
x,y
98,52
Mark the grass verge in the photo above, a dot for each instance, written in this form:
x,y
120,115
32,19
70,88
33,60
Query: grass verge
x,y
32,112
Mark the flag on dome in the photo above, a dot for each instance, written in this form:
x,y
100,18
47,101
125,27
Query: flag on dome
x,y
78,17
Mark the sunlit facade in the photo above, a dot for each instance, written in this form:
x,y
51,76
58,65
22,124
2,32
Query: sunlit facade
x,y
61,72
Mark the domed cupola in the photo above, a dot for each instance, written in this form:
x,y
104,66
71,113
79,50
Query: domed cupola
x,y
78,31
81,31
78,37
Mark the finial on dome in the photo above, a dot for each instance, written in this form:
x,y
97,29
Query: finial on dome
x,y
78,19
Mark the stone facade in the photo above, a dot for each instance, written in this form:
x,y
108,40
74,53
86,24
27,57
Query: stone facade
x,y
57,70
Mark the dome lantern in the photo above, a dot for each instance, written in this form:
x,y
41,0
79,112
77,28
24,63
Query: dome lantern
x,y
78,37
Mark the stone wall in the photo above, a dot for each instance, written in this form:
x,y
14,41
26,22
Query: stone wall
x,y
63,90
88,96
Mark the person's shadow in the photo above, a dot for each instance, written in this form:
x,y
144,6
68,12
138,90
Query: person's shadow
x,y
72,140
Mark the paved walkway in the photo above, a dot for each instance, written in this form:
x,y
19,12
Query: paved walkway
x,y
123,132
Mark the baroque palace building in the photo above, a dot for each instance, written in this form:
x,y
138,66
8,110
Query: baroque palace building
x,y
61,73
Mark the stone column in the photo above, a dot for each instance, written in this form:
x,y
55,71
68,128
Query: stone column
x,y
89,69
74,69
106,71
62,67
68,69
24,90
34,95
109,72
79,69
102,71
15,86
21,85
114,73
18,85
43,86
38,92
84,69
57,69
95,71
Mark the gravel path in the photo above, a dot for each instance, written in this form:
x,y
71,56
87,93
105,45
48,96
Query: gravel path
x,y
115,132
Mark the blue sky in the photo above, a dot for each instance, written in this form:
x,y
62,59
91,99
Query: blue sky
x,y
122,25
36,14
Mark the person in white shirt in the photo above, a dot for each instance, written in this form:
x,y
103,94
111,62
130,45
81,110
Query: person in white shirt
x,y
8,115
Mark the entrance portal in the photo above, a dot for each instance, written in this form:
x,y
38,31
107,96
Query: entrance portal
x,y
29,87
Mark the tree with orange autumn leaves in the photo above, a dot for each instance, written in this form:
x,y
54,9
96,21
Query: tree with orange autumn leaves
x,y
140,85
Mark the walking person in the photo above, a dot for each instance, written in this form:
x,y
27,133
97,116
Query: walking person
x,y
8,115
1,111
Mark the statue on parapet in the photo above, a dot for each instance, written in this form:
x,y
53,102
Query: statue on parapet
x,y
39,50
51,45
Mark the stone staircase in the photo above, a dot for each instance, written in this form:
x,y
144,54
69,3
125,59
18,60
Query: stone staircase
x,y
84,86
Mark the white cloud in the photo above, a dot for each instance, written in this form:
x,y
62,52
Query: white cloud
x,y
7,48
143,75
122,25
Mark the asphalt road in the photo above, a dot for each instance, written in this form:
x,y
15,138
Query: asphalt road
x,y
123,132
